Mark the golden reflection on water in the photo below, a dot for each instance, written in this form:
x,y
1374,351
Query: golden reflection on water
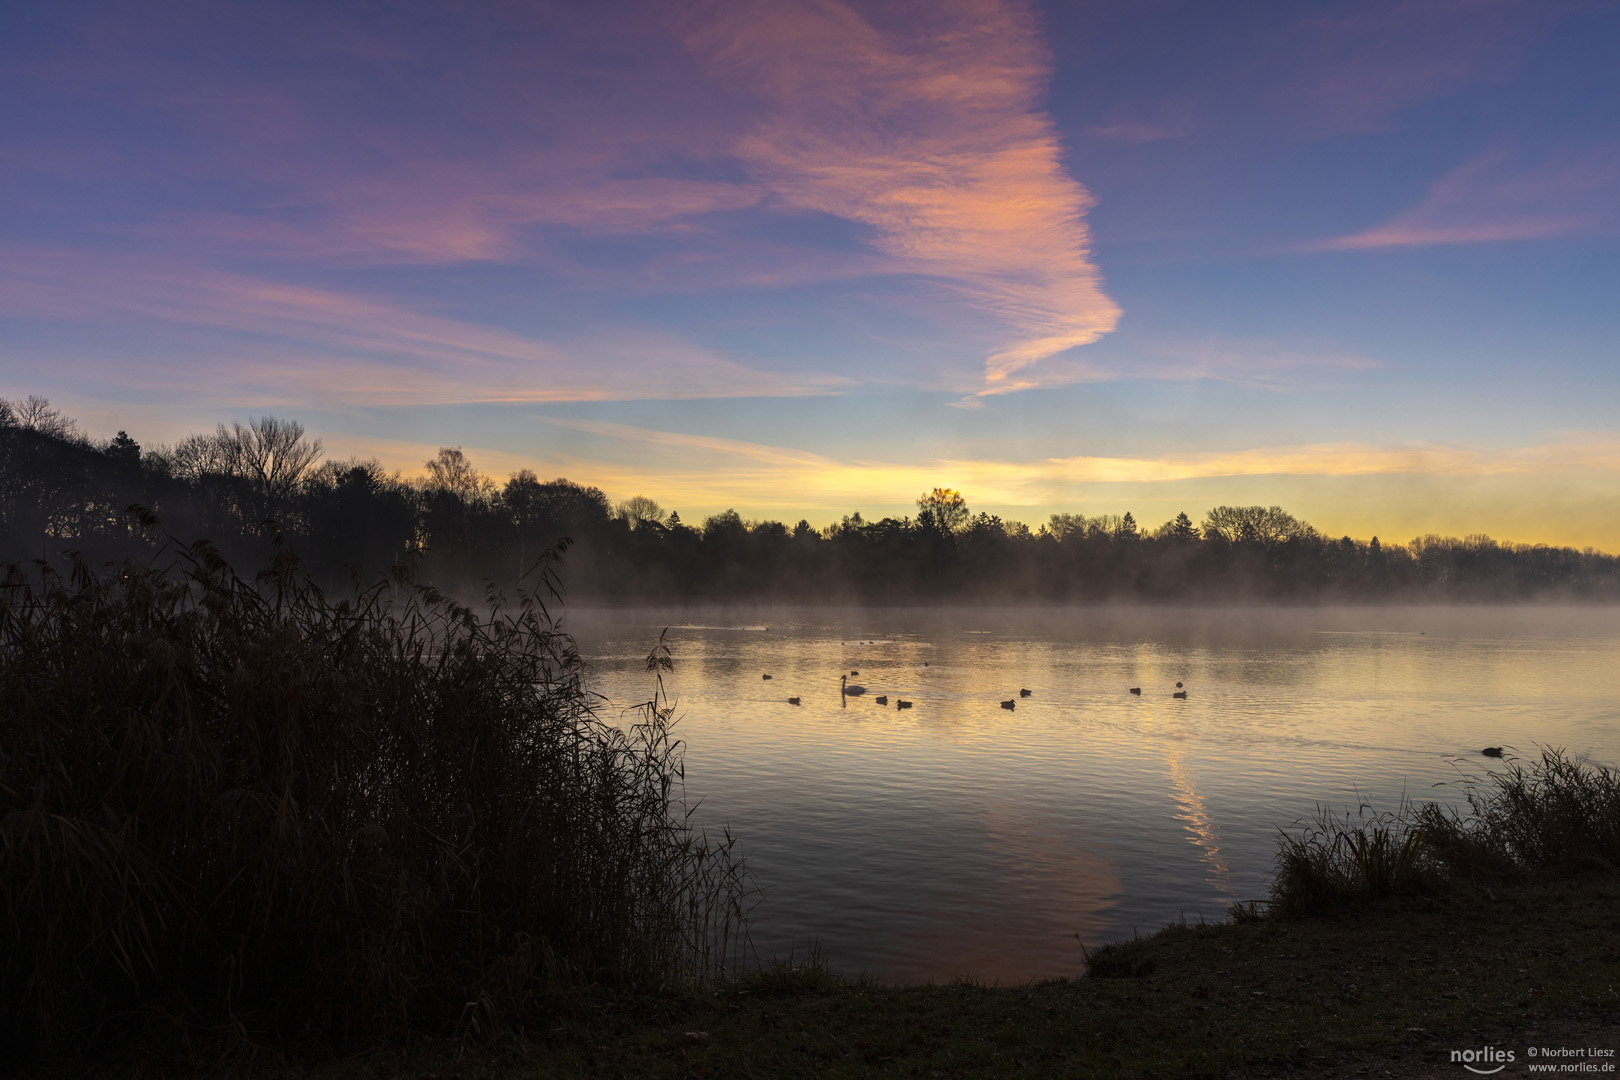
x,y
1200,825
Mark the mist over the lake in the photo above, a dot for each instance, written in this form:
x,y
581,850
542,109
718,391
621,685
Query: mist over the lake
x,y
959,837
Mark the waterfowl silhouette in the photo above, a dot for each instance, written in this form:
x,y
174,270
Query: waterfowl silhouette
x,y
1009,704
854,673
1025,693
1178,686
1179,693
1492,751
1137,690
845,687
764,676
793,701
902,704
882,700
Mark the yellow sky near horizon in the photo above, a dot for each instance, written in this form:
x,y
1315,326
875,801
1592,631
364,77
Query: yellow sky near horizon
x,y
1557,493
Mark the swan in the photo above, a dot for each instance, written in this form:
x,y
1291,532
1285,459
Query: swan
x,y
1137,690
844,686
1009,704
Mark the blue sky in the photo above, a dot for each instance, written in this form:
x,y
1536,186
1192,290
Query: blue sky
x,y
804,258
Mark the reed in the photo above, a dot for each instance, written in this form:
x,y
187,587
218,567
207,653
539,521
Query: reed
x,y
1553,817
246,807
1344,861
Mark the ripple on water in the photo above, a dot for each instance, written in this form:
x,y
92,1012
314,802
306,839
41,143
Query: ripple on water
x,y
957,837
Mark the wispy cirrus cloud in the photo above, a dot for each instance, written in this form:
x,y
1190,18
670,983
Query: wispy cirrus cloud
x,y
449,212
1368,63
293,341
700,145
1137,132
933,137
1493,198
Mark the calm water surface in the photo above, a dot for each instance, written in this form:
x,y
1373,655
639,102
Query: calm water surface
x,y
960,838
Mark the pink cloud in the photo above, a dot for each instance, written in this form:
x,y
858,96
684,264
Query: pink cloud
x,y
293,341
1375,61
921,125
1493,199
933,137
1136,132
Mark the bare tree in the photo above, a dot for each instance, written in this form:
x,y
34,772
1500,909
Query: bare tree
x,y
454,493
275,457
1101,527
638,510
943,509
1265,525
34,413
452,474
268,458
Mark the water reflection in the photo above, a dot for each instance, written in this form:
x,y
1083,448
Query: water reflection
x,y
960,838
1200,825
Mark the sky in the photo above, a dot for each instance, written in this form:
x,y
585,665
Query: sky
x,y
801,258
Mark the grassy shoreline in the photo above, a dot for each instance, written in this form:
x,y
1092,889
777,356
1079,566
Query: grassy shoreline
x,y
1400,985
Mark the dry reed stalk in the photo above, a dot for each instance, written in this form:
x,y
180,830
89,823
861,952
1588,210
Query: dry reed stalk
x,y
250,806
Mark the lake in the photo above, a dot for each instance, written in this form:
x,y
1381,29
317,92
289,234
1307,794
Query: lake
x,y
959,838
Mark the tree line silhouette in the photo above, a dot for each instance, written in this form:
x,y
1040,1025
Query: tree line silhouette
x,y
249,487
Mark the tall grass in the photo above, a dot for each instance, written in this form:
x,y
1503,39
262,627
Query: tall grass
x,y
1344,861
247,806
1551,817
1555,816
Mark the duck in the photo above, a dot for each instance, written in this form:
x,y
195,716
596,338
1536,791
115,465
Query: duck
x,y
1492,751
854,673
1009,704
846,687
765,676
902,704
793,701
1180,693
1178,686
884,700
1137,690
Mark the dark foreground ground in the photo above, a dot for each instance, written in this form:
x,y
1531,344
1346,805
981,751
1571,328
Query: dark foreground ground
x,y
1384,993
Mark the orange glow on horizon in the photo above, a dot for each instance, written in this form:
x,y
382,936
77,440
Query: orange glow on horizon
x,y
1396,493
